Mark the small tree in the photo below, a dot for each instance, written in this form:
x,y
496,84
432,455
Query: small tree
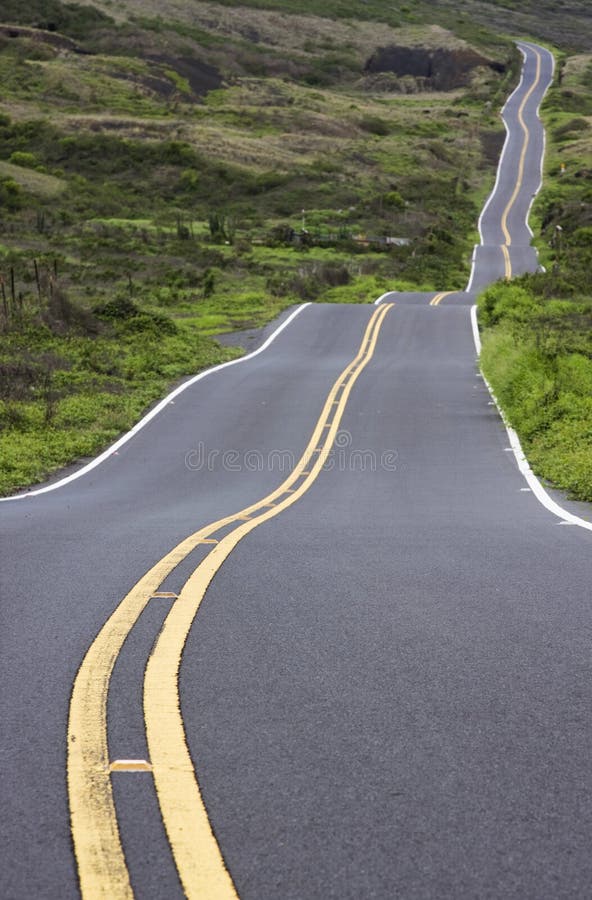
x,y
209,283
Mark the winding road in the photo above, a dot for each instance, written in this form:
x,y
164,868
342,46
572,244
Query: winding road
x,y
309,632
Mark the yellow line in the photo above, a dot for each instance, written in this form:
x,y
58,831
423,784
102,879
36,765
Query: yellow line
x,y
99,855
130,765
101,865
195,850
435,301
507,262
523,153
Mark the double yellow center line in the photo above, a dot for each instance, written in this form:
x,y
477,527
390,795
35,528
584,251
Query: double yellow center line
x,y
435,301
99,853
507,262
522,160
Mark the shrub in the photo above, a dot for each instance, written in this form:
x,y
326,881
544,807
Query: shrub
x,y
120,308
24,159
11,195
394,200
149,324
506,300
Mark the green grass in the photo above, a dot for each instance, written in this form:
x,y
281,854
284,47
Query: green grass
x,y
537,355
36,183
122,172
88,391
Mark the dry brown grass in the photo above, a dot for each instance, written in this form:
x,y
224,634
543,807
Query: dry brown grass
x,y
579,149
302,126
307,35
262,124
123,126
35,182
575,67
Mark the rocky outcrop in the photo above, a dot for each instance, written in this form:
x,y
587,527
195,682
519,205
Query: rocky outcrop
x,y
438,69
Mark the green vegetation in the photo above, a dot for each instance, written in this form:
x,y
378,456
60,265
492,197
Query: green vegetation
x,y
152,200
171,173
537,343
566,25
537,355
75,20
67,399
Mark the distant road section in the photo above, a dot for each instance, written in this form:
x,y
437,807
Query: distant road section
x,y
505,247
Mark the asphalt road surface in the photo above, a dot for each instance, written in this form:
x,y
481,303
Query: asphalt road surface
x,y
385,685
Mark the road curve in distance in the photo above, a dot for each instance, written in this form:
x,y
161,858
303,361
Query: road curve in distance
x,y
505,247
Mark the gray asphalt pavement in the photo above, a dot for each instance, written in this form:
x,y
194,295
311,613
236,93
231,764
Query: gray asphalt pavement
x,y
504,218
387,689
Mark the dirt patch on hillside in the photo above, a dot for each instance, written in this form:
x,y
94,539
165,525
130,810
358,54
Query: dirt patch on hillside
x,y
492,143
438,69
200,76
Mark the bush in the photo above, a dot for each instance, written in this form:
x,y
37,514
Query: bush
x,y
24,159
120,308
509,301
11,195
394,200
130,319
149,324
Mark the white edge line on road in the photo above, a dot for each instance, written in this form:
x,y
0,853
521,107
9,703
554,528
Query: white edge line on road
x,y
473,261
531,479
153,413
383,297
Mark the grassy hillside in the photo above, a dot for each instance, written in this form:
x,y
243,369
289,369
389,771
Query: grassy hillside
x,y
565,25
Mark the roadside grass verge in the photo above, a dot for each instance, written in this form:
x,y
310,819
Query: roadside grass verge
x,y
74,374
63,401
537,355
